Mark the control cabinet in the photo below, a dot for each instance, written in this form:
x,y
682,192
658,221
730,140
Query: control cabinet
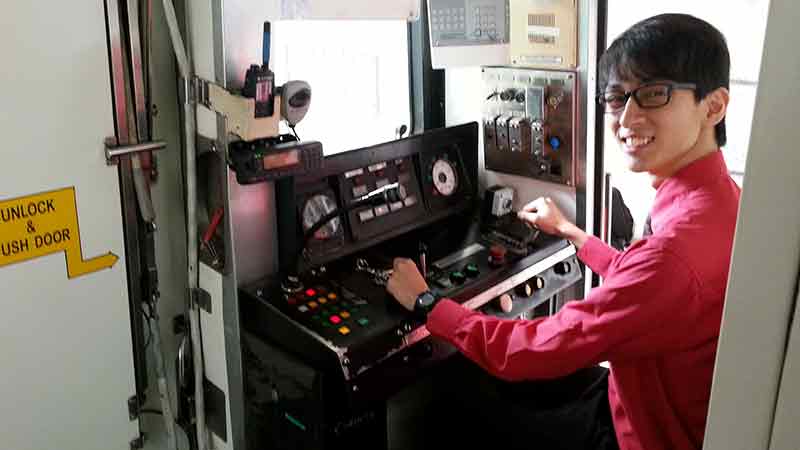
x,y
529,123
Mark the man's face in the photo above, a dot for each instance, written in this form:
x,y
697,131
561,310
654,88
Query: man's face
x,y
656,140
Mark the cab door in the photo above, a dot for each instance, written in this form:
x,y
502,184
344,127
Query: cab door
x,y
65,327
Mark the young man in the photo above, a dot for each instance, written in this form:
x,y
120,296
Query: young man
x,y
656,317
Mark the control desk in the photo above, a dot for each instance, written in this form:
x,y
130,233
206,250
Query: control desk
x,y
340,229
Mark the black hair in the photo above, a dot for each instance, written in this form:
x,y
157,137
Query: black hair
x,y
676,47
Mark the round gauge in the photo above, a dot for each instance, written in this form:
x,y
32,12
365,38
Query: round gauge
x,y
445,180
317,207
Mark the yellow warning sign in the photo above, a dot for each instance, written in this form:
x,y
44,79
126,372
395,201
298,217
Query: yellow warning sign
x,y
43,224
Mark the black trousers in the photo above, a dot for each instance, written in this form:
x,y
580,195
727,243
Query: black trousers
x,y
475,410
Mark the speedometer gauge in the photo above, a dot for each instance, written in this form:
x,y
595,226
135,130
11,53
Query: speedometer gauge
x,y
445,180
317,207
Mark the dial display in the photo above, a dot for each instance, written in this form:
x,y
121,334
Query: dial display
x,y
314,209
445,179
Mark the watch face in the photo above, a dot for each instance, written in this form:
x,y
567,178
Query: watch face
x,y
426,299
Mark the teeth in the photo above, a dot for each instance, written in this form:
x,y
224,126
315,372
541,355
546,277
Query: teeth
x,y
635,141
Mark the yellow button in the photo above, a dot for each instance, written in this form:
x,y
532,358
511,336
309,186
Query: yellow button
x,y
312,305
332,296
344,330
322,300
345,314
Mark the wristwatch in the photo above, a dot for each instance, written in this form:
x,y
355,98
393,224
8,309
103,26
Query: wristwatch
x,y
424,304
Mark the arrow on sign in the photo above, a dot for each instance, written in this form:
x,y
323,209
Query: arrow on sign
x,y
42,224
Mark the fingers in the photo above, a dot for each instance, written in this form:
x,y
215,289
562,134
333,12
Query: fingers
x,y
530,217
531,206
399,262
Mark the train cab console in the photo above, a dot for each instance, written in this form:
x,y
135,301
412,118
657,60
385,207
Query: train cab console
x,y
324,343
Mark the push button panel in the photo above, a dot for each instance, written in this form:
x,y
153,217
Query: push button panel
x,y
333,311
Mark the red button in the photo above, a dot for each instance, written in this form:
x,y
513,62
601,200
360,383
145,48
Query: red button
x,y
335,319
311,292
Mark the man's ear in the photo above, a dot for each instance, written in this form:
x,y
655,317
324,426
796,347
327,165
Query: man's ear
x,y
717,102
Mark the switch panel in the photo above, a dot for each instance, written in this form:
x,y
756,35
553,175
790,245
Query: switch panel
x,y
529,123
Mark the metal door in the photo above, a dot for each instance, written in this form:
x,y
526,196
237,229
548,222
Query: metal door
x,y
65,333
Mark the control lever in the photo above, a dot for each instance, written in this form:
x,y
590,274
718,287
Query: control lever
x,y
379,277
392,192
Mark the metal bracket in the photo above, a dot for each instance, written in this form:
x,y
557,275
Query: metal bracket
x,y
137,443
133,407
201,298
114,151
207,145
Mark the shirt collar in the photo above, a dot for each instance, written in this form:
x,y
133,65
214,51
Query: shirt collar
x,y
701,172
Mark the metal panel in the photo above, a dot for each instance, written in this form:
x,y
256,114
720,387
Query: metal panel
x,y
785,433
464,104
65,343
766,254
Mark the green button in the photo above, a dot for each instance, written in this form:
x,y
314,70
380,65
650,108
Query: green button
x,y
316,317
363,321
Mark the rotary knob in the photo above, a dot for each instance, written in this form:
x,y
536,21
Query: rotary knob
x,y
291,284
562,268
524,289
506,303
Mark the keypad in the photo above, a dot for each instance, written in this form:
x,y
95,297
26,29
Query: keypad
x,y
330,311
448,20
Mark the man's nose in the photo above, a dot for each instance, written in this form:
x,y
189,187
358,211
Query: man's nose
x,y
630,114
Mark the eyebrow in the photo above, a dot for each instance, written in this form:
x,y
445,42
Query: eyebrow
x,y
641,82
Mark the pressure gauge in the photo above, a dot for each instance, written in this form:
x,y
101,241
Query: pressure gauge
x,y
317,207
445,180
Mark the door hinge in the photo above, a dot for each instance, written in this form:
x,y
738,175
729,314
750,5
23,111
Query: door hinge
x,y
133,407
201,298
137,443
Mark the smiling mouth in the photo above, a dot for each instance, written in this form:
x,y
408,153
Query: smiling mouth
x,y
636,142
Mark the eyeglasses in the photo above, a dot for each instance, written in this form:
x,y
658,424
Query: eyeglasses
x,y
647,96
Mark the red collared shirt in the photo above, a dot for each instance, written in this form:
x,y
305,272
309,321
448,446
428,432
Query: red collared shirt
x,y
656,317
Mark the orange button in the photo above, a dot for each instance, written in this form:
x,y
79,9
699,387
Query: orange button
x,y
332,296
312,305
322,300
345,314
344,331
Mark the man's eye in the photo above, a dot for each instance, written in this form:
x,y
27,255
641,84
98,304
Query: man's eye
x,y
652,93
614,98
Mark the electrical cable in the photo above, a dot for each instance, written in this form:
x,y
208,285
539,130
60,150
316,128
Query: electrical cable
x,y
295,132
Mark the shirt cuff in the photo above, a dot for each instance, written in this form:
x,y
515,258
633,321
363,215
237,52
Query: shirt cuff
x,y
597,255
445,318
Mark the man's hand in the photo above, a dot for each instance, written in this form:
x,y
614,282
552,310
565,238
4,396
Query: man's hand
x,y
406,283
543,214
